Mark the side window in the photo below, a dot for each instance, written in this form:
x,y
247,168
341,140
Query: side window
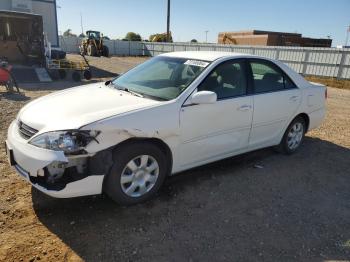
x,y
268,79
226,80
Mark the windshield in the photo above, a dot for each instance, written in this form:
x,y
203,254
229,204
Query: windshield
x,y
93,34
162,78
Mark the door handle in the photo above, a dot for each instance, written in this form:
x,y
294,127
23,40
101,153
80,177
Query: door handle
x,y
294,98
244,108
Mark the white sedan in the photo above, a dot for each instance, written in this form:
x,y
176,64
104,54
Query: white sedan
x,y
174,112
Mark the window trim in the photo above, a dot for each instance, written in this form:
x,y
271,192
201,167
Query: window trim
x,y
276,68
245,65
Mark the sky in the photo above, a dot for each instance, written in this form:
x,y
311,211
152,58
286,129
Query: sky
x,y
191,18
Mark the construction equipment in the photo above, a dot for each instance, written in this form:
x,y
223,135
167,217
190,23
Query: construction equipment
x,y
160,37
58,68
227,40
93,45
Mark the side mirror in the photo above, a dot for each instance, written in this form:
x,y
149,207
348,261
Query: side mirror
x,y
204,97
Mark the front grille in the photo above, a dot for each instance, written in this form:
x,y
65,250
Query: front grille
x,y
26,131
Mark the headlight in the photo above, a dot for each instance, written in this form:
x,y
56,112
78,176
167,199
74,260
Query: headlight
x,y
69,141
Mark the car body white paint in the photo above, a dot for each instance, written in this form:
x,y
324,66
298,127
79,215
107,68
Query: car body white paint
x,y
195,135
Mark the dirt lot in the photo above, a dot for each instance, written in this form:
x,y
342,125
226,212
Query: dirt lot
x,y
294,208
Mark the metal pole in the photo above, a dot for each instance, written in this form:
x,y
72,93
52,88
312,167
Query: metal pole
x,y
168,24
206,36
347,35
81,23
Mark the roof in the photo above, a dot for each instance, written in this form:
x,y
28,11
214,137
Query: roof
x,y
214,55
204,55
259,32
17,14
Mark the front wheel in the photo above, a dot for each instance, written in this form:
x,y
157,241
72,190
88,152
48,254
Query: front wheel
x,y
293,137
138,172
91,50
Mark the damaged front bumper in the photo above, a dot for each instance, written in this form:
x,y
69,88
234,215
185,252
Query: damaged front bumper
x,y
50,171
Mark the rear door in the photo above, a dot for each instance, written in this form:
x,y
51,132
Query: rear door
x,y
276,99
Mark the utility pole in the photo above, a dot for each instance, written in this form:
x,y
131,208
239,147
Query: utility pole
x,y
81,23
168,24
347,36
206,36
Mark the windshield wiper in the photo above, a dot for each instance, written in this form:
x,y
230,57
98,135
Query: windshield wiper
x,y
110,83
130,91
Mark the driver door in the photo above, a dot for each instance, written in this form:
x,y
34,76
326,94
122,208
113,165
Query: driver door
x,y
213,131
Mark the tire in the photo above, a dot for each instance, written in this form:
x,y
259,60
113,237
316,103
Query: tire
x,y
123,185
87,74
62,73
105,51
91,50
291,143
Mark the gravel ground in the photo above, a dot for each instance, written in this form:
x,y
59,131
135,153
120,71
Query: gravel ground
x,y
291,208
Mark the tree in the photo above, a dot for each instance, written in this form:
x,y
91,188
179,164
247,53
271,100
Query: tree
x,y
68,33
194,41
131,36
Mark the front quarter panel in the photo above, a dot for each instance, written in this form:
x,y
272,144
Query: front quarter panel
x,y
160,122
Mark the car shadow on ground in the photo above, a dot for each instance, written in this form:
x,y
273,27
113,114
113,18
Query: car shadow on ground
x,y
260,205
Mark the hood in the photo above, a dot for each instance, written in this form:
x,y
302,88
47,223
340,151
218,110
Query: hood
x,y
78,106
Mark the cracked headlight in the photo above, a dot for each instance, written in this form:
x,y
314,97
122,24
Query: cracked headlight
x,y
69,141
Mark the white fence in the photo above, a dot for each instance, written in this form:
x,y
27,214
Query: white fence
x,y
328,62
116,47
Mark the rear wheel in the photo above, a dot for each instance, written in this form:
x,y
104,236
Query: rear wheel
x,y
105,51
293,137
138,172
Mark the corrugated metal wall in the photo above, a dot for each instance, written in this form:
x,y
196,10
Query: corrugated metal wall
x,y
331,62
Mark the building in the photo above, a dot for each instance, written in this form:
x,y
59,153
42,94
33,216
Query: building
x,y
45,8
268,38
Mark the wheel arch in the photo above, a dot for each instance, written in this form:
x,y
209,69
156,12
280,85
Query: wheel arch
x,y
156,141
302,115
306,119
